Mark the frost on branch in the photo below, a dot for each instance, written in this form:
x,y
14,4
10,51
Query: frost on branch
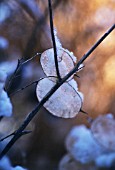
x,y
65,102
57,40
5,104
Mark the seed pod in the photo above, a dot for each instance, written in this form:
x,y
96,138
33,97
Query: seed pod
x,y
65,62
65,102
82,146
103,130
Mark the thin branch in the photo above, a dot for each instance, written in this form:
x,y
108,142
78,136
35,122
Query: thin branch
x,y
53,41
82,111
32,114
8,86
40,25
37,54
7,136
25,132
34,82
85,56
76,75
17,91
19,65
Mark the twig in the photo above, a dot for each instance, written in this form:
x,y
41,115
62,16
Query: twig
x,y
53,41
35,82
31,115
19,65
8,86
40,25
7,136
82,111
37,54
25,132
76,75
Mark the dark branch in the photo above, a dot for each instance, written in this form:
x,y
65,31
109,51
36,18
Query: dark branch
x,y
34,82
40,26
82,111
53,40
7,136
8,86
19,65
15,92
76,75
25,132
37,54
31,115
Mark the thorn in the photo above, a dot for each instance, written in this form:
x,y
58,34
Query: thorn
x,y
83,111
76,75
25,132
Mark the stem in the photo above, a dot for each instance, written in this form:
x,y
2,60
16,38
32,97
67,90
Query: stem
x,y
8,86
53,41
35,82
31,115
19,65
31,58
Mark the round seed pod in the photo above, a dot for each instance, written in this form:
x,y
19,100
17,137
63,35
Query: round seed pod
x,y
65,102
65,62
103,130
82,146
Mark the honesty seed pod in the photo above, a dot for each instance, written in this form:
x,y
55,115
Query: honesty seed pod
x,y
103,130
65,58
82,146
65,102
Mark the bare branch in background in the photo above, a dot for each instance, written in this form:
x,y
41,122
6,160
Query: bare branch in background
x,y
40,24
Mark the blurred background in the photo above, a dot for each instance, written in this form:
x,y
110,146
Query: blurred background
x,y
24,31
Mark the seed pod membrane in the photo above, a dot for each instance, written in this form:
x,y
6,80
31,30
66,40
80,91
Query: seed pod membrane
x,y
65,102
65,62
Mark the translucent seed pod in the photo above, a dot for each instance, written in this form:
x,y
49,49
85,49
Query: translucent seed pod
x,y
65,62
65,102
103,130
